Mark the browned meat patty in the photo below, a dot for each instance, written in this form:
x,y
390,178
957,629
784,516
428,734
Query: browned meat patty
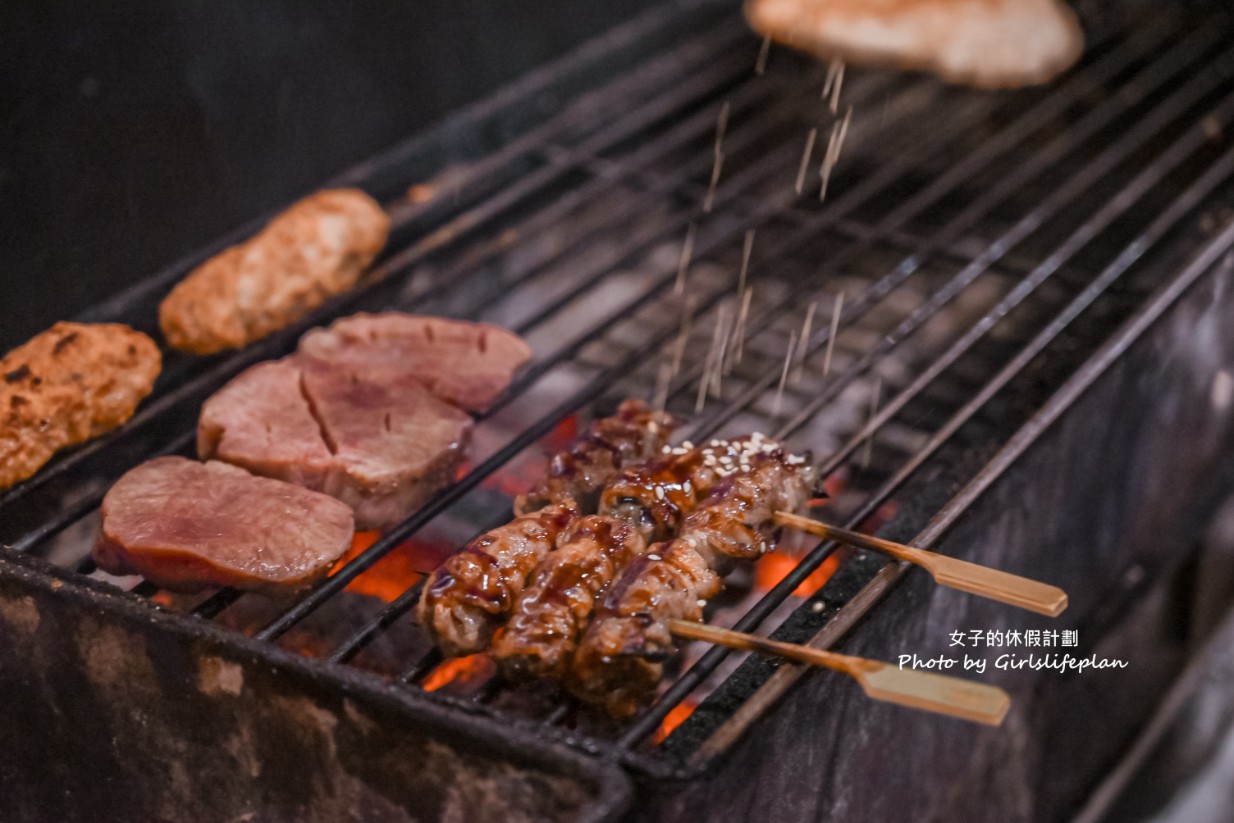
x,y
467,364
380,442
313,251
985,43
186,526
67,385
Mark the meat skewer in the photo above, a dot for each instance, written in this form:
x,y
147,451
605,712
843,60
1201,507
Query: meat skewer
x,y
552,612
646,502
620,658
611,443
474,590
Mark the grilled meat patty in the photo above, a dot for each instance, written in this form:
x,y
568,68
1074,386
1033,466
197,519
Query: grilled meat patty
x,y
185,526
466,364
67,385
985,43
313,251
619,661
550,615
473,592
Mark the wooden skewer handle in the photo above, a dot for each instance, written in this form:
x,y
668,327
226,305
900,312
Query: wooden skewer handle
x,y
983,581
938,693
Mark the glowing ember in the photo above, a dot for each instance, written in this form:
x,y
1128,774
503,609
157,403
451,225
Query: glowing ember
x,y
164,598
775,566
393,574
460,671
880,517
674,719
836,483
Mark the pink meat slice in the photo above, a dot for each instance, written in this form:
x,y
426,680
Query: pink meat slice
x,y
467,364
186,526
376,439
394,443
262,421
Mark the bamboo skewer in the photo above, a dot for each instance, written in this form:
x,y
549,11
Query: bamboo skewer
x,y
916,689
982,581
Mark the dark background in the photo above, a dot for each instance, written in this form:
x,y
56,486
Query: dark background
x,y
132,133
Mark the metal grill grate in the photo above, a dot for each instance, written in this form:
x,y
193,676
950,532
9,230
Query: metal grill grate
x,y
973,250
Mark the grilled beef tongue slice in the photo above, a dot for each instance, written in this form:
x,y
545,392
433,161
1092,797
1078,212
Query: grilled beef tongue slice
x,y
187,526
261,421
467,364
394,442
372,437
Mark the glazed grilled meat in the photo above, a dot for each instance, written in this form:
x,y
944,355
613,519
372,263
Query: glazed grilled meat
x,y
552,612
646,501
578,474
620,659
657,495
69,384
473,592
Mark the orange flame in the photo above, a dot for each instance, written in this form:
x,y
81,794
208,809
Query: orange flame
x,y
775,566
474,668
673,719
393,574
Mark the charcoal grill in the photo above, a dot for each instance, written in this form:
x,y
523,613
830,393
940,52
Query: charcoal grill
x,y
1018,328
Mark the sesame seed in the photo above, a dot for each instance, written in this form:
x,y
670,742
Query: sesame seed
x,y
654,557
660,492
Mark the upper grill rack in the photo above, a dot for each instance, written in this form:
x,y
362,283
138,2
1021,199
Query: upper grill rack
x,y
963,236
